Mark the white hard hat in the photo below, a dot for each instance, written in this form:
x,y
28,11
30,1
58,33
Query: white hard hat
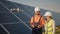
x,y
48,14
37,9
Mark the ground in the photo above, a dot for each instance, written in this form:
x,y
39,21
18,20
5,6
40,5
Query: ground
x,y
58,30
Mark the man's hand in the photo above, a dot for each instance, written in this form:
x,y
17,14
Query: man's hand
x,y
32,26
38,26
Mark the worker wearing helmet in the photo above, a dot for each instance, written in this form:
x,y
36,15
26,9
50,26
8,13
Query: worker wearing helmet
x,y
37,21
49,24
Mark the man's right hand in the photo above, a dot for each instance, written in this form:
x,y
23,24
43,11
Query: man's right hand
x,y
32,26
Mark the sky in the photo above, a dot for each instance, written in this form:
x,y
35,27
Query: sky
x,y
53,5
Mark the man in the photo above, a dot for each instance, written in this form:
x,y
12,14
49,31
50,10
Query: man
x,y
37,22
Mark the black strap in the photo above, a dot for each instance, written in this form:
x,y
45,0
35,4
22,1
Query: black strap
x,y
40,18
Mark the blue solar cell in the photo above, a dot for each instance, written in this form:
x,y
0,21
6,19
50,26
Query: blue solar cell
x,y
19,28
2,31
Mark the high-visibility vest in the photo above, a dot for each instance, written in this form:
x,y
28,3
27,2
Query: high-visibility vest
x,y
36,19
50,27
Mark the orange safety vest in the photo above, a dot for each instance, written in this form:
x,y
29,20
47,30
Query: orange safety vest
x,y
36,19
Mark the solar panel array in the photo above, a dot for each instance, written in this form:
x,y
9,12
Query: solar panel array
x,y
13,22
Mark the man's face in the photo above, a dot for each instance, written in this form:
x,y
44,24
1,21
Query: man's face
x,y
37,12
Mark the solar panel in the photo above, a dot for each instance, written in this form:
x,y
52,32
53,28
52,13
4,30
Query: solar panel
x,y
9,21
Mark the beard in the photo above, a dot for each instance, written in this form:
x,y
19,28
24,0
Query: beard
x,y
37,14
